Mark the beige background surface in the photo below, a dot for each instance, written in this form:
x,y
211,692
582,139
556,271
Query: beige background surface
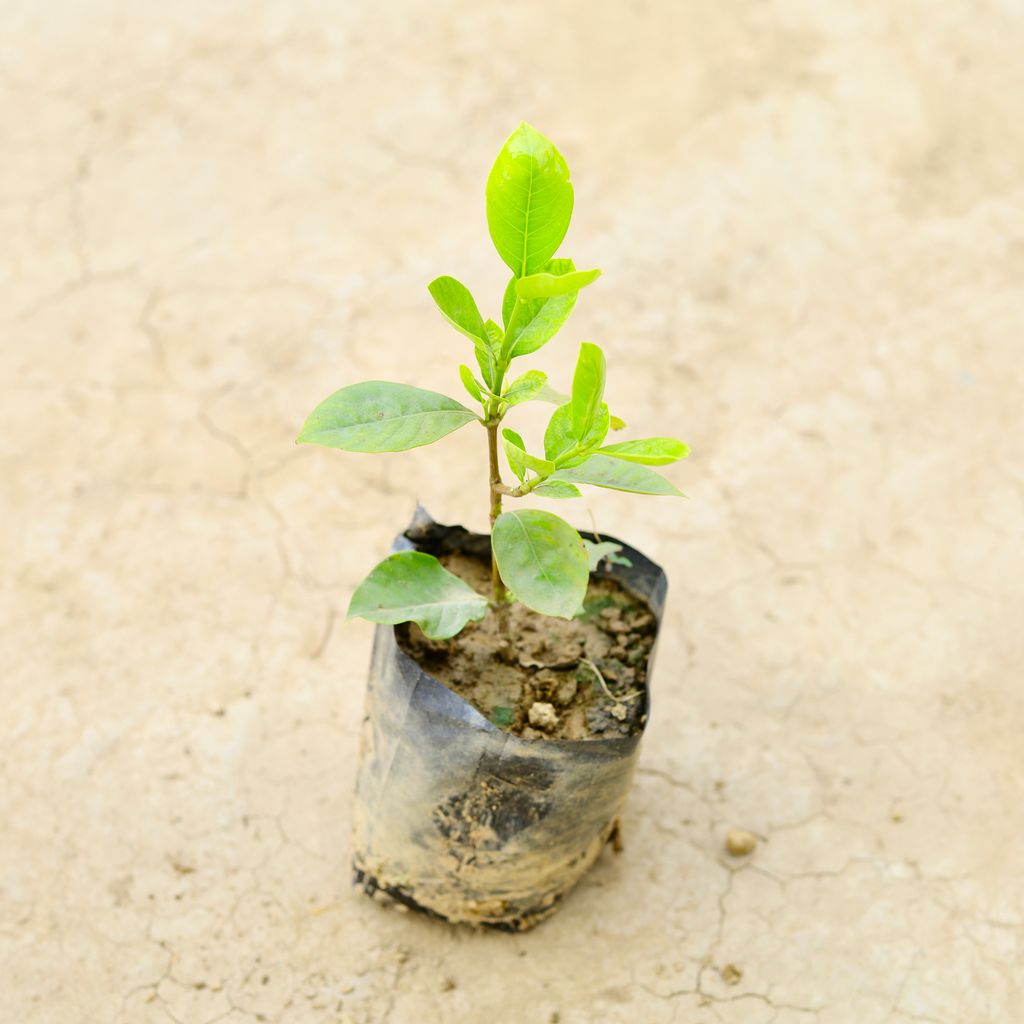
x,y
811,221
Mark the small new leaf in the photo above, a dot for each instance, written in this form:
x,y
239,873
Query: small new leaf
x,y
458,307
495,335
515,450
559,439
596,551
542,560
601,471
508,301
469,382
587,389
649,451
376,416
487,353
532,323
520,460
548,286
523,388
529,201
411,586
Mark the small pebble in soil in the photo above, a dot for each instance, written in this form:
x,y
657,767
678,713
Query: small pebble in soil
x,y
731,974
739,842
447,984
542,715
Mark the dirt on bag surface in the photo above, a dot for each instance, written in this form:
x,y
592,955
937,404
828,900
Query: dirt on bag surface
x,y
542,678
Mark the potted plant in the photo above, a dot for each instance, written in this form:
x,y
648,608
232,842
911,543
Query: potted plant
x,y
508,686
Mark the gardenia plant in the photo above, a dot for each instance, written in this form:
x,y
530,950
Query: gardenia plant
x,y
537,557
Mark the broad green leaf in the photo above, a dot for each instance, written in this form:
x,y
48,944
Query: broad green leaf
x,y
547,286
376,416
534,322
469,382
648,451
523,388
557,489
542,560
602,471
520,460
587,389
458,307
559,438
596,550
529,201
411,586
618,424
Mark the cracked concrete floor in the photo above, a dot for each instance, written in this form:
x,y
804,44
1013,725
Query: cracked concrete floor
x,y
811,220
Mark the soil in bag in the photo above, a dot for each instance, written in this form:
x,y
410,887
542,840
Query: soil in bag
x,y
551,678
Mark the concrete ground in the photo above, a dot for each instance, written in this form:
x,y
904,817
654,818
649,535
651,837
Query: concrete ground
x,y
811,221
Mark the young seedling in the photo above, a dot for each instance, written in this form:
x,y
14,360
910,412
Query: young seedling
x,y
537,557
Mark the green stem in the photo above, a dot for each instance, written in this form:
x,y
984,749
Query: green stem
x,y
499,594
524,488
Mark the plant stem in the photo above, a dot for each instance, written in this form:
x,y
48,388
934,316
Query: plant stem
x,y
498,591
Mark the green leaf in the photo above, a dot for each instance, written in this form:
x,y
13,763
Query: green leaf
x,y
529,201
508,301
523,388
541,558
495,335
557,489
376,416
487,353
587,389
520,460
618,424
603,549
602,471
534,322
549,394
515,448
547,286
648,451
458,307
411,586
469,382
559,438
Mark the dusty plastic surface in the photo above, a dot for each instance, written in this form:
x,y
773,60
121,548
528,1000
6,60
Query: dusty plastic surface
x,y
457,818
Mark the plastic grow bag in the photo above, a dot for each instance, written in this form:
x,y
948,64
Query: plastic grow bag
x,y
457,818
